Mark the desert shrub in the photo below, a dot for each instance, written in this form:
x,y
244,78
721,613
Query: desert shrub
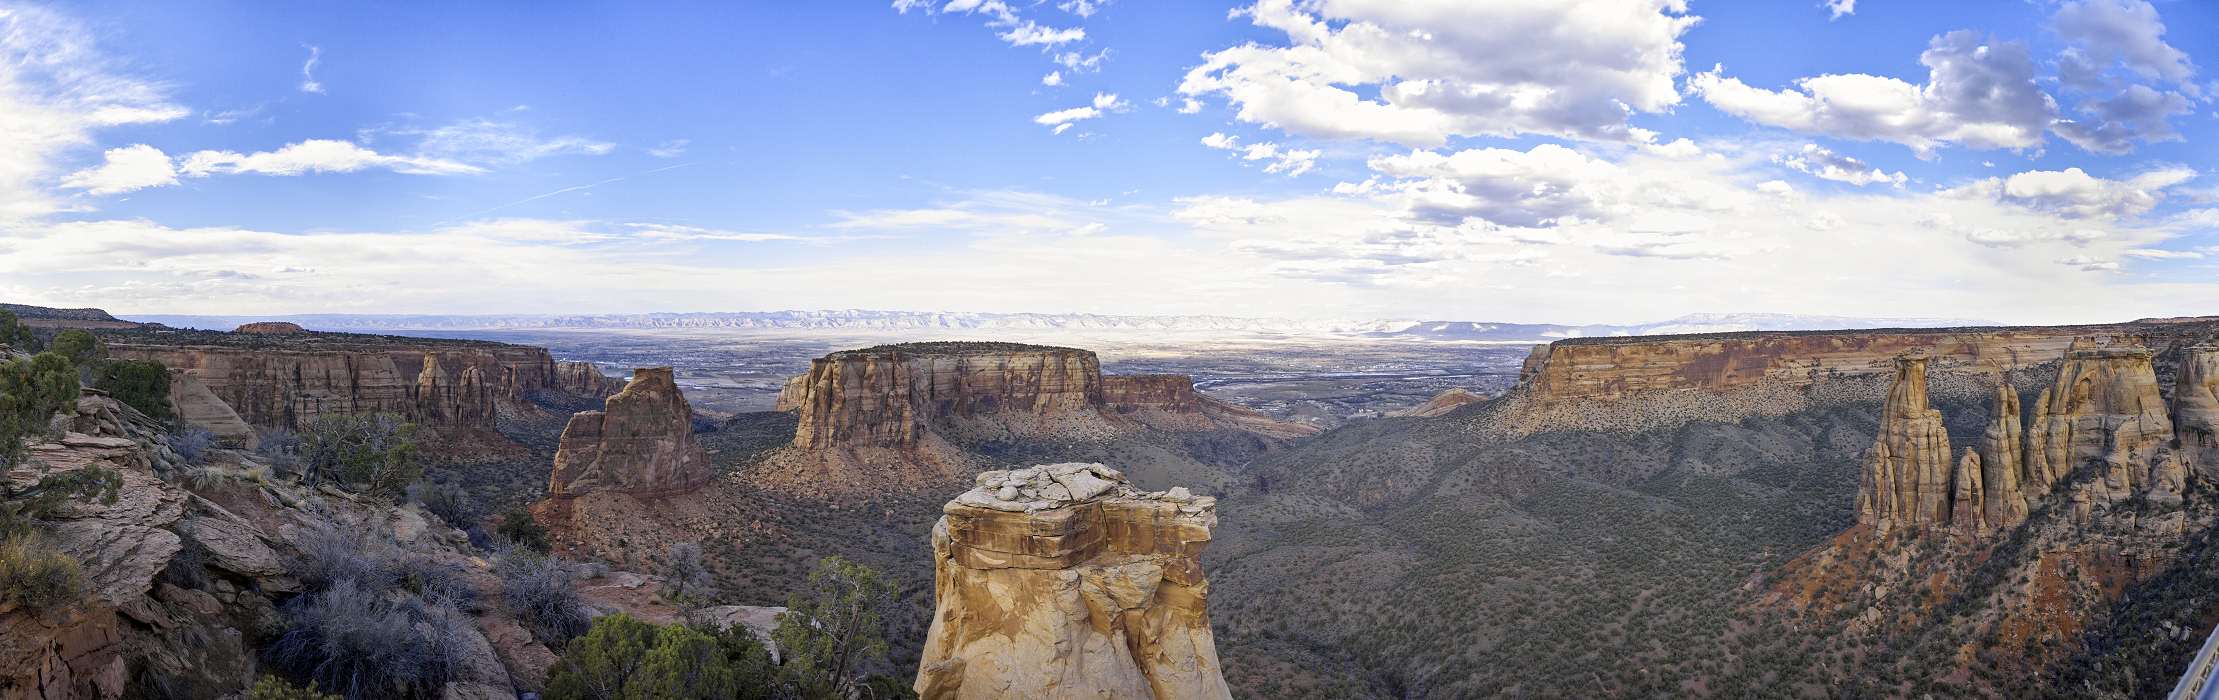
x,y
275,688
686,577
832,627
279,447
366,643
329,555
519,528
193,443
433,580
16,335
622,658
37,576
140,384
374,453
80,347
447,502
536,588
31,391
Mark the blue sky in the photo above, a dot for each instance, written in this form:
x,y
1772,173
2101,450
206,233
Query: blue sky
x,y
1605,160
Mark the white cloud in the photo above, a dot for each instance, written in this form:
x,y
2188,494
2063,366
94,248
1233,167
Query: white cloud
x,y
1288,161
1030,33
2089,263
1823,163
1052,79
485,142
1190,106
670,149
308,81
2159,254
1977,94
316,156
125,169
1082,8
1443,69
1063,119
1839,8
2126,31
1079,62
2073,193
56,91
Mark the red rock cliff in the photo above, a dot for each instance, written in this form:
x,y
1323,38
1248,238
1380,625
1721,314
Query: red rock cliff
x,y
433,384
640,443
885,396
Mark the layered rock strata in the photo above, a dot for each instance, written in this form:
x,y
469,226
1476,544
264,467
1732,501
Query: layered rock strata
x,y
2002,462
287,387
884,396
640,443
1441,404
1603,368
584,379
197,406
2104,409
2196,410
1907,477
1062,581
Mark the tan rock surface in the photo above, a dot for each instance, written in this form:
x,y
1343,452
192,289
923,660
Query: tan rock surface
x,y
1061,581
2104,409
2003,463
289,385
2196,410
1442,403
1906,474
640,443
196,405
883,397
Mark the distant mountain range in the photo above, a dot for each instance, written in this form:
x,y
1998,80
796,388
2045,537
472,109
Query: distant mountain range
x,y
883,321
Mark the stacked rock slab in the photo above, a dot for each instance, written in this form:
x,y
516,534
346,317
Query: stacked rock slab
x,y
2104,409
1062,581
1907,479
640,443
2196,410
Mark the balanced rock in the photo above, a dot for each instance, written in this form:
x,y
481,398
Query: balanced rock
x,y
640,443
1063,581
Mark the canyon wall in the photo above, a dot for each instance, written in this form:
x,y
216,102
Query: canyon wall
x,y
1613,367
287,383
883,396
2196,410
640,443
1062,581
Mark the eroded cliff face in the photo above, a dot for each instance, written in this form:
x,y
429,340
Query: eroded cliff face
x,y
2104,410
883,397
585,379
1062,581
641,443
2196,410
1907,477
438,386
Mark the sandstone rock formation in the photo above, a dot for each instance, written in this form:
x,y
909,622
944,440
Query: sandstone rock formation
x,y
289,385
2003,464
270,328
641,443
2196,410
1907,479
197,406
883,396
584,379
2104,409
1061,581
1441,404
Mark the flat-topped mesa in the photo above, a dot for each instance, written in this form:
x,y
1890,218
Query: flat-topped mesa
x,y
1907,479
294,382
270,328
1062,581
2196,409
2104,409
584,379
640,443
885,396
1169,393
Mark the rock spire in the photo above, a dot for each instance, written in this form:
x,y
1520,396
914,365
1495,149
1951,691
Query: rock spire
x,y
641,442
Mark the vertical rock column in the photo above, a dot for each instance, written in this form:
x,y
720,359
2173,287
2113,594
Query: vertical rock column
x,y
2196,410
640,443
1907,478
2003,462
2104,411
1061,581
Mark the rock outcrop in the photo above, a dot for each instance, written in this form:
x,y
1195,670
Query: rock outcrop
x,y
1907,478
2196,410
641,443
456,399
884,396
2104,409
197,406
585,379
1061,581
1441,404
2002,461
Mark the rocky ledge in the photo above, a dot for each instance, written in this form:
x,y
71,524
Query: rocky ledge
x,y
1063,581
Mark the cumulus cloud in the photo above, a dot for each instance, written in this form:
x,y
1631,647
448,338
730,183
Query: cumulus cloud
x,y
2136,114
1977,94
316,156
1824,163
2126,31
1052,79
1063,119
2073,193
126,169
1443,69
1839,8
1277,159
1013,28
2112,44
